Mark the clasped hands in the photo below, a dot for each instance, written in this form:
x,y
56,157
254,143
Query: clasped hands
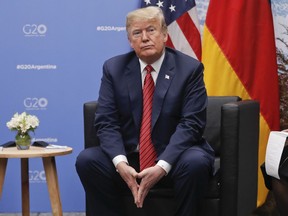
x,y
148,178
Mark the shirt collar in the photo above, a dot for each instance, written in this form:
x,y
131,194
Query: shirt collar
x,y
156,65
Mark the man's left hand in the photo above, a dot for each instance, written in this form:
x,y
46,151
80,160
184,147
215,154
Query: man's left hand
x,y
149,177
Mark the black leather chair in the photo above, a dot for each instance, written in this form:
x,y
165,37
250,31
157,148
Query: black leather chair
x,y
233,131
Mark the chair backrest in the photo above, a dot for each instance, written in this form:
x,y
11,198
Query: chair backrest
x,y
212,131
90,138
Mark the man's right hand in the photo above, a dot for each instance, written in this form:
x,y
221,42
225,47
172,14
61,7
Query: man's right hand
x,y
129,175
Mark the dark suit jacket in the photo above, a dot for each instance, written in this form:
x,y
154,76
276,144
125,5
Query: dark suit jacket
x,y
179,106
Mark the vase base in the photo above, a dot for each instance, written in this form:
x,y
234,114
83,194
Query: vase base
x,y
22,147
23,141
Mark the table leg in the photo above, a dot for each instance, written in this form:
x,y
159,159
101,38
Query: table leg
x,y
3,165
25,187
52,183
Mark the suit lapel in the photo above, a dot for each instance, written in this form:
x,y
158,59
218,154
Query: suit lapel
x,y
134,83
165,77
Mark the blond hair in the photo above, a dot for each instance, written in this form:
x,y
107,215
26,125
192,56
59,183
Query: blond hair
x,y
147,13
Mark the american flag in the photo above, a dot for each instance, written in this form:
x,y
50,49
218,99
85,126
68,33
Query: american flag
x,y
183,25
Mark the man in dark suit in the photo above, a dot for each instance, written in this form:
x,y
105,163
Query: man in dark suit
x,y
184,159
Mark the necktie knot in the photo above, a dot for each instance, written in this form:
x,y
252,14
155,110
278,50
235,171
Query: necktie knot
x,y
149,69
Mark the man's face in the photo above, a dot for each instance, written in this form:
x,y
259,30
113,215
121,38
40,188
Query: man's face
x,y
147,39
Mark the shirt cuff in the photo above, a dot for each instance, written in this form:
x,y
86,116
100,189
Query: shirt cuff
x,y
164,165
119,158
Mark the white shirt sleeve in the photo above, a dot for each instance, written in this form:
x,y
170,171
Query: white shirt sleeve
x,y
119,158
164,165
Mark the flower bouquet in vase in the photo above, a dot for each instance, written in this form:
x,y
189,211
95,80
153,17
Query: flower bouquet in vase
x,y
23,123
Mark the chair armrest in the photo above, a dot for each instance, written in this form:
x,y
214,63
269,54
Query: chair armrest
x,y
90,138
239,157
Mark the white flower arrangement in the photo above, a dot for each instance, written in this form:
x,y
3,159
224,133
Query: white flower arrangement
x,y
23,123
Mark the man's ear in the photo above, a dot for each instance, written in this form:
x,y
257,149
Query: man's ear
x,y
165,37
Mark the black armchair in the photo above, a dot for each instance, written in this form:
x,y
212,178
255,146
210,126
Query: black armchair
x,y
233,131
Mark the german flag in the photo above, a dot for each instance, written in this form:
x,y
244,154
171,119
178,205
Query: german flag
x,y
239,55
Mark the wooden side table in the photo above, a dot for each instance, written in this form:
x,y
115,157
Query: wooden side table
x,y
48,158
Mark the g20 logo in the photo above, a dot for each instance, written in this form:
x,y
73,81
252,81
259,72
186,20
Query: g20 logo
x,y
35,103
37,176
34,30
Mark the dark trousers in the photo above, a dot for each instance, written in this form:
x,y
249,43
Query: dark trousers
x,y
103,185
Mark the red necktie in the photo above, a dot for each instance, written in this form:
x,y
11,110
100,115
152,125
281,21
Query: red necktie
x,y
147,152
